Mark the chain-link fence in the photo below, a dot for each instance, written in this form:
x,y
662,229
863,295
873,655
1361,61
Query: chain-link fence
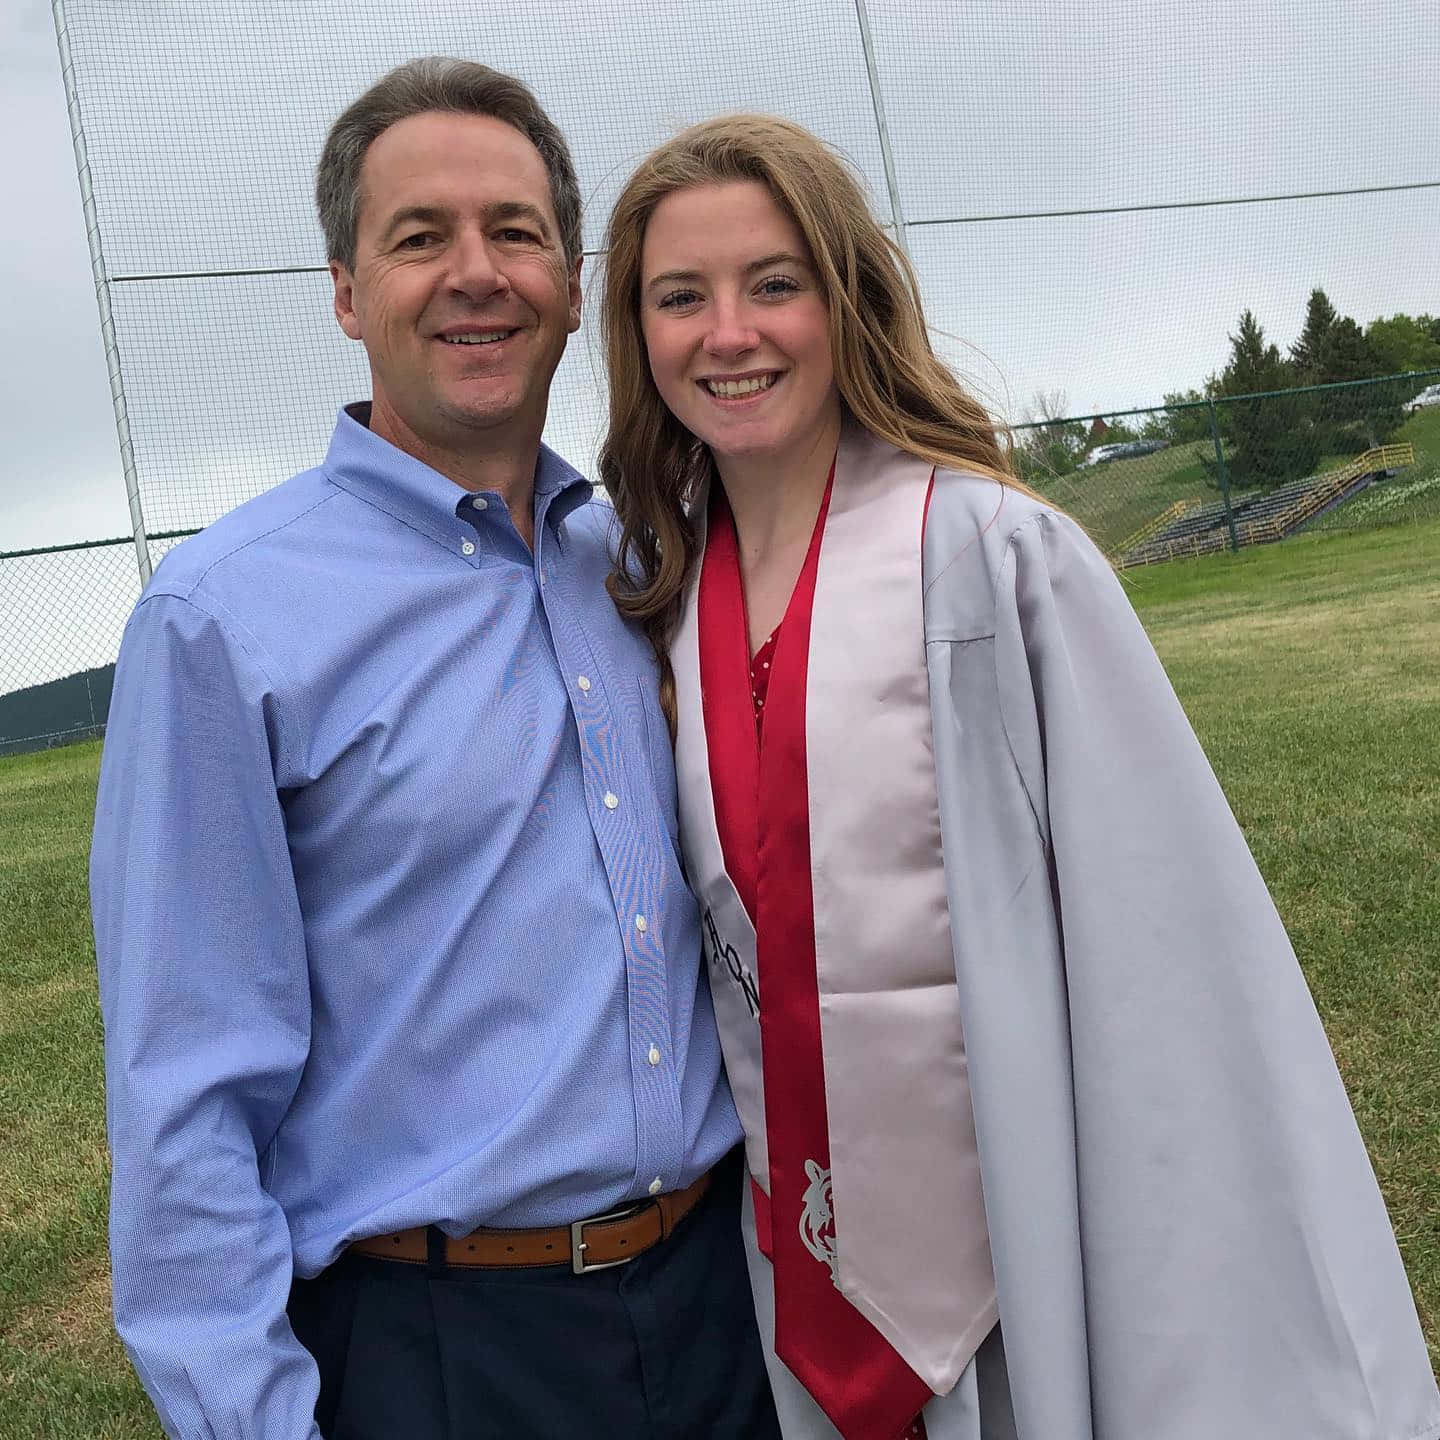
x,y
1233,470
62,612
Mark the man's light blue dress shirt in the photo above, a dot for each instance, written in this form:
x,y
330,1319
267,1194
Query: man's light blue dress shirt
x,y
389,914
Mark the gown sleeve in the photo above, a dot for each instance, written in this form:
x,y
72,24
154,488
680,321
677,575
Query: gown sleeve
x,y
1240,1275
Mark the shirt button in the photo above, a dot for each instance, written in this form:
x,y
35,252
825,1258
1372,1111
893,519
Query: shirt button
x,y
656,1185
467,547
611,800
641,924
654,1056
583,681
480,502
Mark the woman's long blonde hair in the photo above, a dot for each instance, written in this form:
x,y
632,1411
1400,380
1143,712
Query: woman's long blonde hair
x,y
890,380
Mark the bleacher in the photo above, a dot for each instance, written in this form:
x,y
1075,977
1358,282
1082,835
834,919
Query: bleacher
x,y
1260,517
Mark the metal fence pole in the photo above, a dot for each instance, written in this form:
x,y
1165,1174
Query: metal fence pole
x,y
892,184
102,295
1224,476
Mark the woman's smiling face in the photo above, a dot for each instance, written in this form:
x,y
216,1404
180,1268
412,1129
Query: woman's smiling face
x,y
735,326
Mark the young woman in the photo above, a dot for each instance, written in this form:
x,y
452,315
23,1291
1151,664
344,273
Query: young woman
x,y
1013,1027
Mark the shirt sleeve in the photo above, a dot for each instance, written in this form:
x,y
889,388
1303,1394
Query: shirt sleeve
x,y
1240,1272
204,993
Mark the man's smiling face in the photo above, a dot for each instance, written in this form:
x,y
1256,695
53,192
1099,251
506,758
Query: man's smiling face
x,y
460,290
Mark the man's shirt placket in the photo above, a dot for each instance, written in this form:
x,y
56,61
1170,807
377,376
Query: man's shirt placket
x,y
620,815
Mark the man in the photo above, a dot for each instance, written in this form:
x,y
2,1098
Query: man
x,y
392,934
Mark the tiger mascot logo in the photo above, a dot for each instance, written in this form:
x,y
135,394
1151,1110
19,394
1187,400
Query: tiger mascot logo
x,y
817,1218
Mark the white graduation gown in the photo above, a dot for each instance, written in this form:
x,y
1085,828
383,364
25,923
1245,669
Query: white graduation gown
x,y
1188,1240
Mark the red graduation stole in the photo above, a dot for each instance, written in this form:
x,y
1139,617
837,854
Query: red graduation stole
x,y
850,1369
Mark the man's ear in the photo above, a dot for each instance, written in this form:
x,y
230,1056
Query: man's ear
x,y
574,281
345,300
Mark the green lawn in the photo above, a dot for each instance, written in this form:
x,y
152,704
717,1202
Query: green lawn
x,y
62,1373
1312,672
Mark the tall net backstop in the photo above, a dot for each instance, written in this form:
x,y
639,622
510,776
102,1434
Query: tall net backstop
x,y
1090,194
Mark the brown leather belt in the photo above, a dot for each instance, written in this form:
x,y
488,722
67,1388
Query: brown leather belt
x,y
594,1244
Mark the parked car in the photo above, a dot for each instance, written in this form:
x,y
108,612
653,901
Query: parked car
x,y
1122,450
1101,453
1430,395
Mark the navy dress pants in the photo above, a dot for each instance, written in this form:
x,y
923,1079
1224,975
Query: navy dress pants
x,y
663,1348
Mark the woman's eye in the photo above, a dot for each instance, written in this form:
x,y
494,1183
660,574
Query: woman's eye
x,y
776,285
678,298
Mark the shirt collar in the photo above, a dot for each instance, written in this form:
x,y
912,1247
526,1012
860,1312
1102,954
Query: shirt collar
x,y
377,472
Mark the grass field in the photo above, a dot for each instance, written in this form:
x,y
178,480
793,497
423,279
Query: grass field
x,y
1311,671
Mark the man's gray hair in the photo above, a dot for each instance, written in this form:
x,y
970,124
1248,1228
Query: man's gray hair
x,y
459,87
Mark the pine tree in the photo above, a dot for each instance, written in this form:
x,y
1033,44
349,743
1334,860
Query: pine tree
x,y
1269,441
1254,364
1305,352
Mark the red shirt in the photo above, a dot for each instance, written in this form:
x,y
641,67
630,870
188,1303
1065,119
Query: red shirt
x,y
760,676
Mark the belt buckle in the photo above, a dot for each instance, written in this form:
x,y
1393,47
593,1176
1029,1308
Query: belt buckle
x,y
578,1263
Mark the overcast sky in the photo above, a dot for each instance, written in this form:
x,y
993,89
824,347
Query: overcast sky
x,y
204,120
